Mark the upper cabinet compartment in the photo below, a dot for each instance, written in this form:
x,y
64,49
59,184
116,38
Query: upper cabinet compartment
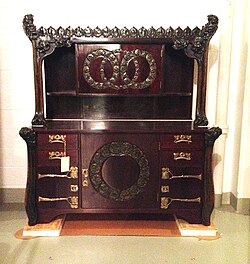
x,y
60,73
155,66
119,69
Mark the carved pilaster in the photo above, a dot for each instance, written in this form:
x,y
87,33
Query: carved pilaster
x,y
30,196
208,200
195,46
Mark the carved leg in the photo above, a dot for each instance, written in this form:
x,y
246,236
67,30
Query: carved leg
x,y
208,200
30,196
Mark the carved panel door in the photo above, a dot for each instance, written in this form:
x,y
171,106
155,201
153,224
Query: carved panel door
x,y
120,171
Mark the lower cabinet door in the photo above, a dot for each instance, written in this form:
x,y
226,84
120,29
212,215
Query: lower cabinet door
x,y
120,171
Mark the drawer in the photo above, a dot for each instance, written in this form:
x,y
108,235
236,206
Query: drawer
x,y
190,141
181,188
183,158
57,141
57,193
184,193
47,158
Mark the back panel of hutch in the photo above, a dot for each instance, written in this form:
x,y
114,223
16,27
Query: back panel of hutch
x,y
118,130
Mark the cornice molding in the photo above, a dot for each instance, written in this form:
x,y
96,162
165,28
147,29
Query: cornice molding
x,y
193,40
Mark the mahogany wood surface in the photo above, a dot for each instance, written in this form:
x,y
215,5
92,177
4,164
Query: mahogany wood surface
x,y
116,108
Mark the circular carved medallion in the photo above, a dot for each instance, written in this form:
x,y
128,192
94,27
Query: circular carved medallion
x,y
118,149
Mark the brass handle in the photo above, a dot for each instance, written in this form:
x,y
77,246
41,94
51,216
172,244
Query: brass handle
x,y
182,138
85,175
57,139
72,174
182,155
166,201
72,200
166,174
57,154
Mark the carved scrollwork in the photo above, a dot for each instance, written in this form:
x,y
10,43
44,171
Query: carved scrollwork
x,y
211,135
29,136
193,41
118,148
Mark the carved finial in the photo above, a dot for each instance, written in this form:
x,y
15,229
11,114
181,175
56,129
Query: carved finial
x,y
29,27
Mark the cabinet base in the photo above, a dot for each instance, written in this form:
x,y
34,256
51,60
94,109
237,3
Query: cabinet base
x,y
191,216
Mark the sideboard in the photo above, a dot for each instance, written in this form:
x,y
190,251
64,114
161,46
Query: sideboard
x,y
120,127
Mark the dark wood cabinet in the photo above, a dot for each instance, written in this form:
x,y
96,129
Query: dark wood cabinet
x,y
117,130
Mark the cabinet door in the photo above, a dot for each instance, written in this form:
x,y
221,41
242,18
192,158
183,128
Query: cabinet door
x,y
120,171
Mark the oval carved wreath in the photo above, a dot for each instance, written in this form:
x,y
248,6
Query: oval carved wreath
x,y
117,149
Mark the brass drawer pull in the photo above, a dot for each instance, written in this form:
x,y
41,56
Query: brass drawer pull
x,y
57,139
40,176
166,174
182,155
56,154
85,175
166,201
72,174
72,200
182,138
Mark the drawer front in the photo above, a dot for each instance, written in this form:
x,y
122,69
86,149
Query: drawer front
x,y
190,141
181,181
53,158
57,142
55,192
183,158
185,193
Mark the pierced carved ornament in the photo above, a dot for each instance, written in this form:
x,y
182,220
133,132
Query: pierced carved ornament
x,y
119,60
193,41
118,149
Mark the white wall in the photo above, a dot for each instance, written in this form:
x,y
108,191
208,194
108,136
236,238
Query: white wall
x,y
224,85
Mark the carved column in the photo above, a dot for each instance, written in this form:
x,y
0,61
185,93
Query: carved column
x,y
208,199
30,196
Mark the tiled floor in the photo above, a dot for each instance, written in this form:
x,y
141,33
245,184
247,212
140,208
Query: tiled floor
x,y
233,247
